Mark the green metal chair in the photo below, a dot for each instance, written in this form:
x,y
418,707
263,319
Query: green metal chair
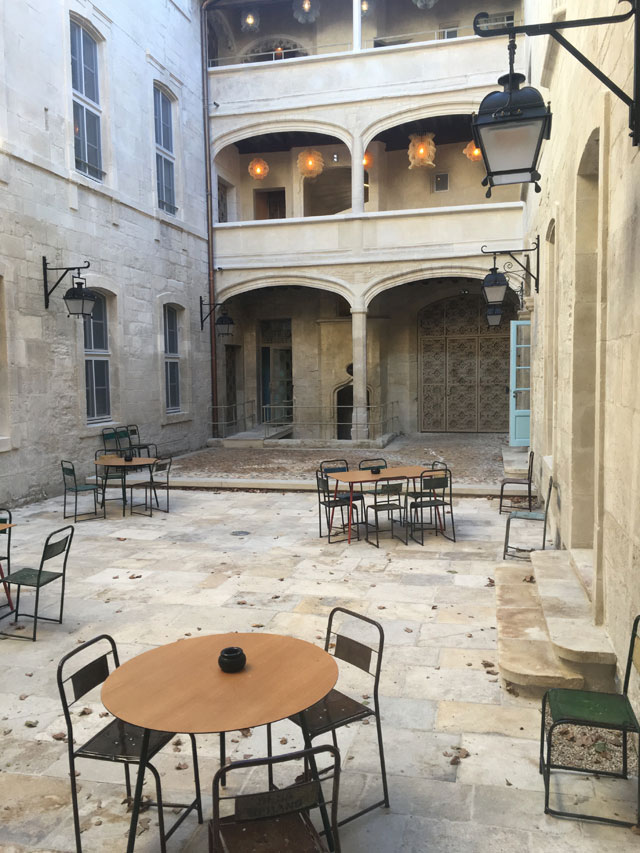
x,y
510,550
158,479
110,440
5,554
71,485
388,498
109,476
607,711
328,504
57,544
137,445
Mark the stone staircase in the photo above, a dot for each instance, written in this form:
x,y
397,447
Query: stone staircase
x,y
546,635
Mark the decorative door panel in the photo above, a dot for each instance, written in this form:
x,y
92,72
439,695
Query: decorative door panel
x,y
462,384
493,384
433,385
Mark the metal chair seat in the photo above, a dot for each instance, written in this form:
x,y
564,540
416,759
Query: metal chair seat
x,y
530,516
120,741
32,577
335,709
272,835
588,708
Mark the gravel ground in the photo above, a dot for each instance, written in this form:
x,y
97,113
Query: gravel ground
x,y
595,749
473,458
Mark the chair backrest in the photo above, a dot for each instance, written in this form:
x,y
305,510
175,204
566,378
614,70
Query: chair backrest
x,y
388,488
530,468
633,658
333,466
123,437
5,518
72,686
368,464
298,797
367,657
322,485
68,474
161,468
53,547
110,439
134,432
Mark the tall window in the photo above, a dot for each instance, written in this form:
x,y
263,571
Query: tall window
x,y
96,363
86,102
171,359
164,151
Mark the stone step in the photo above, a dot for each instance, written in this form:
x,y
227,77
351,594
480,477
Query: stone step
x,y
582,562
526,655
567,611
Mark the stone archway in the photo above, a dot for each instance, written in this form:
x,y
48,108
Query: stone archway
x,y
463,367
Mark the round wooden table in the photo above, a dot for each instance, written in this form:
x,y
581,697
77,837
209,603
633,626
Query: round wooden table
x,y
115,461
180,688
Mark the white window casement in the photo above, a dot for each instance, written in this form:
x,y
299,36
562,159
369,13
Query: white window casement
x,y
449,31
86,102
96,363
498,20
165,158
171,359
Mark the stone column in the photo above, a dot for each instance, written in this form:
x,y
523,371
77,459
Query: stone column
x,y
357,26
357,176
360,419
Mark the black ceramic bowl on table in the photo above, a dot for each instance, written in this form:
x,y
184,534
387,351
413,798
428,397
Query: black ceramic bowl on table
x,y
375,470
232,659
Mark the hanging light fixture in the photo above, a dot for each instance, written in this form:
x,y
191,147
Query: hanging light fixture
x,y
250,21
367,160
494,286
258,169
472,152
366,7
79,300
422,150
223,324
306,11
310,163
494,315
509,128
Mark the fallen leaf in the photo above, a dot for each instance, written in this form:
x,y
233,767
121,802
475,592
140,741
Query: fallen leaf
x,y
28,674
491,671
381,607
59,736
408,630
455,760
487,664
255,625
529,579
122,538
245,732
31,724
490,582
85,712
451,572
284,740
182,766
24,696
241,602
509,784
434,606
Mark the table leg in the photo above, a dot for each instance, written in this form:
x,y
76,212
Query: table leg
x,y
351,510
7,592
124,491
333,509
137,797
314,772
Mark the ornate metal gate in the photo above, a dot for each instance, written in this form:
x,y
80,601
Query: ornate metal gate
x,y
464,367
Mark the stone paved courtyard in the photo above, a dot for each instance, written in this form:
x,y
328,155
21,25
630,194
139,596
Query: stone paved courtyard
x,y
153,581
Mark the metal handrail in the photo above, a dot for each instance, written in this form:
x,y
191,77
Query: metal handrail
x,y
318,422
234,418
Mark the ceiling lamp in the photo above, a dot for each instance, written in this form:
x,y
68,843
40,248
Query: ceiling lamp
x,y
306,11
422,150
258,169
472,152
494,315
250,21
365,7
310,163
509,129
367,160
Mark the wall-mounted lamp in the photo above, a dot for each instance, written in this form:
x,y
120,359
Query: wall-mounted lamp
x,y
494,282
511,125
223,322
79,300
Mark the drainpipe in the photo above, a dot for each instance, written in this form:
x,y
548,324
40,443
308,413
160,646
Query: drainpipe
x,y
209,195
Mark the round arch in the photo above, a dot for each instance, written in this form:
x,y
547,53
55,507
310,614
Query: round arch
x,y
282,126
423,111
421,273
262,282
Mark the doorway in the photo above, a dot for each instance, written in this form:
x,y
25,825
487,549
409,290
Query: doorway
x,y
276,371
269,204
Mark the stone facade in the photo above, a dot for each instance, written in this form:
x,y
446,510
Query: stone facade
x,y
142,257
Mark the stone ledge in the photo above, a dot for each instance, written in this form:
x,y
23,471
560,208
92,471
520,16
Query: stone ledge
x,y
533,663
582,562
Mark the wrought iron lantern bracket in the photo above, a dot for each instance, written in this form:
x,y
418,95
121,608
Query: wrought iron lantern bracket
x,y
63,270
553,28
524,251
223,322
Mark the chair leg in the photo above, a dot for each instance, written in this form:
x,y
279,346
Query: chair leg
x,y
501,497
15,615
383,767
35,614
223,758
506,539
127,780
196,777
529,494
74,803
62,599
75,507
163,841
542,728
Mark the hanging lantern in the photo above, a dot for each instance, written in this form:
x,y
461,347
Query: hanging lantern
x,y
310,163
422,150
366,7
258,169
367,160
472,152
306,11
250,21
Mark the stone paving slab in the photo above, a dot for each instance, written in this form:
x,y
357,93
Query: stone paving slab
x,y
151,581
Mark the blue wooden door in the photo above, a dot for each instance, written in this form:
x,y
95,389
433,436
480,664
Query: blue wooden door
x,y
520,384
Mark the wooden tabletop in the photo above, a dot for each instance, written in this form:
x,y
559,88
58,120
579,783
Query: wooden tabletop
x,y
119,462
357,476
180,687
5,526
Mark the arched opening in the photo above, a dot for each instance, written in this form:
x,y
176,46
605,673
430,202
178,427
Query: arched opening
x,y
344,411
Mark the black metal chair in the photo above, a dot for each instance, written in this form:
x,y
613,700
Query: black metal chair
x,y
519,481
5,553
435,494
388,499
274,820
37,578
71,485
134,441
370,465
118,741
158,479
337,709
328,503
562,707
511,550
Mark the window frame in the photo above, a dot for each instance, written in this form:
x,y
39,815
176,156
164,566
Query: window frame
x,y
172,368
84,104
97,355
163,107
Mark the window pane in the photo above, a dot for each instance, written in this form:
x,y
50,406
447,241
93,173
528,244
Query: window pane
x,y
172,377
157,115
76,57
101,382
88,336
88,375
90,67
93,144
169,195
170,330
167,135
99,325
159,180
79,137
